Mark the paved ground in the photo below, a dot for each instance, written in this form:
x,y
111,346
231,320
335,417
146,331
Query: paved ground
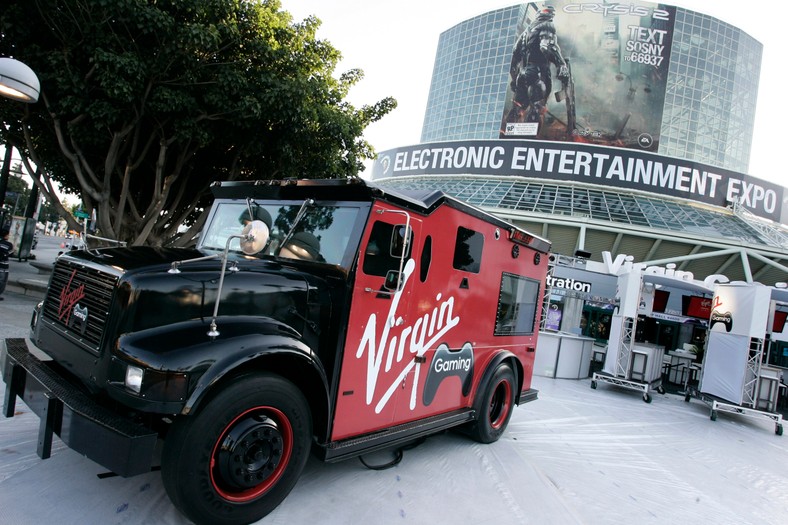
x,y
574,456
26,287
25,278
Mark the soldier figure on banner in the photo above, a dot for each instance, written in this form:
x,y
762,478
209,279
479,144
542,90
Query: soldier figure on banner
x,y
531,78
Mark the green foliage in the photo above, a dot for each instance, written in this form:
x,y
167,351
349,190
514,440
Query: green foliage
x,y
17,194
146,103
47,213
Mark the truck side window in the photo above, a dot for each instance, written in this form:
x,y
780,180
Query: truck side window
x,y
517,303
468,250
384,248
426,259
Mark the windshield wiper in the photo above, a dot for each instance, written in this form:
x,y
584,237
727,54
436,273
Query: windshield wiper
x,y
308,203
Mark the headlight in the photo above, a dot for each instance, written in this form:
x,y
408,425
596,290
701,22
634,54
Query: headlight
x,y
134,378
34,317
148,383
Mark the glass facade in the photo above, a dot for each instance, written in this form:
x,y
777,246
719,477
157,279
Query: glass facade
x,y
638,210
711,95
709,108
469,78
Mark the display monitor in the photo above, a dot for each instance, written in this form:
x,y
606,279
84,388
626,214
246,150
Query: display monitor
x,y
696,306
660,300
778,326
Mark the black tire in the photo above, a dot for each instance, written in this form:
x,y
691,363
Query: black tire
x,y
496,405
259,422
593,385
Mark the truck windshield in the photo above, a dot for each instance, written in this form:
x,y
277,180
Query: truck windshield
x,y
321,235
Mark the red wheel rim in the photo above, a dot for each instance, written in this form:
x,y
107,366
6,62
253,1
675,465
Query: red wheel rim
x,y
500,404
251,454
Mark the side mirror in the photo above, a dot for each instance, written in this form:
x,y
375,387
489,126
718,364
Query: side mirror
x,y
254,237
393,281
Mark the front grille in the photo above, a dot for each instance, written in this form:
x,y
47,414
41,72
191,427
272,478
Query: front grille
x,y
78,302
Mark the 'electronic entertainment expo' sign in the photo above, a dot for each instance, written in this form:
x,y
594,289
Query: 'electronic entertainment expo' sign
x,y
576,162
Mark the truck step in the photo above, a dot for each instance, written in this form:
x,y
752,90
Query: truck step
x,y
394,436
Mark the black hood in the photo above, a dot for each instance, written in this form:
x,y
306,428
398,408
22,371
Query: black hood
x,y
148,294
134,258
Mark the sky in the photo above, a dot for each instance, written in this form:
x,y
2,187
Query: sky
x,y
394,43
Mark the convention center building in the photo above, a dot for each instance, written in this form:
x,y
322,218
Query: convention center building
x,y
609,129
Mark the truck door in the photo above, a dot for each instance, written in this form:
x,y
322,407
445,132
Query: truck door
x,y
377,360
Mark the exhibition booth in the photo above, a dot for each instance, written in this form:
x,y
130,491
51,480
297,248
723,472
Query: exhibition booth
x,y
568,343
735,375
641,352
723,343
585,314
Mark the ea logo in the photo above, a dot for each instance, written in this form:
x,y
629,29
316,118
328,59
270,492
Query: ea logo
x,y
645,140
385,162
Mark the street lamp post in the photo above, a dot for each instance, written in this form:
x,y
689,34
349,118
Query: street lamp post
x,y
18,82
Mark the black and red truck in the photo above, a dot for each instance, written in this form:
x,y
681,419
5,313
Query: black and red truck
x,y
336,316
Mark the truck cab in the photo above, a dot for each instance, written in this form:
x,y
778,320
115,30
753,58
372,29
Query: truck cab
x,y
335,316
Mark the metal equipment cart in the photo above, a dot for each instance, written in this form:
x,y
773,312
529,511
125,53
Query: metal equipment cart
x,y
630,365
733,375
758,395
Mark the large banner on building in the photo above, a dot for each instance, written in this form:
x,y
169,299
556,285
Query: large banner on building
x,y
594,72
589,164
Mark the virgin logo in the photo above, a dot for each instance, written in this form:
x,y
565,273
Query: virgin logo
x,y
717,302
68,298
394,339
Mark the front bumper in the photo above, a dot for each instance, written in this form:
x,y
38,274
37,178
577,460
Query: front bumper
x,y
113,441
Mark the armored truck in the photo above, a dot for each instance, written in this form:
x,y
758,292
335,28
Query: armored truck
x,y
336,317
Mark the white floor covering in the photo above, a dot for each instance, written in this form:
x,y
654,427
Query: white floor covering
x,y
575,455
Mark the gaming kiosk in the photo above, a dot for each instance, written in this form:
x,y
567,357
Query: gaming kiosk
x,y
637,365
735,376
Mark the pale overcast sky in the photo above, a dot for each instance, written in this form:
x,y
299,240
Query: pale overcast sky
x,y
394,44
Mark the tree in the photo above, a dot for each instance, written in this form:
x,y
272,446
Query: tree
x,y
47,213
17,193
145,104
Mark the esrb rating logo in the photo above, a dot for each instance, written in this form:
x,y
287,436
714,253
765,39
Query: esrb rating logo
x,y
522,128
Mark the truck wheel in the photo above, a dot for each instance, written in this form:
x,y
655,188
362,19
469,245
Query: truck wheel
x,y
236,459
497,404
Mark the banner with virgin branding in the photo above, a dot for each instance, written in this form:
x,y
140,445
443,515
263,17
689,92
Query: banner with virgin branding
x,y
740,309
739,313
